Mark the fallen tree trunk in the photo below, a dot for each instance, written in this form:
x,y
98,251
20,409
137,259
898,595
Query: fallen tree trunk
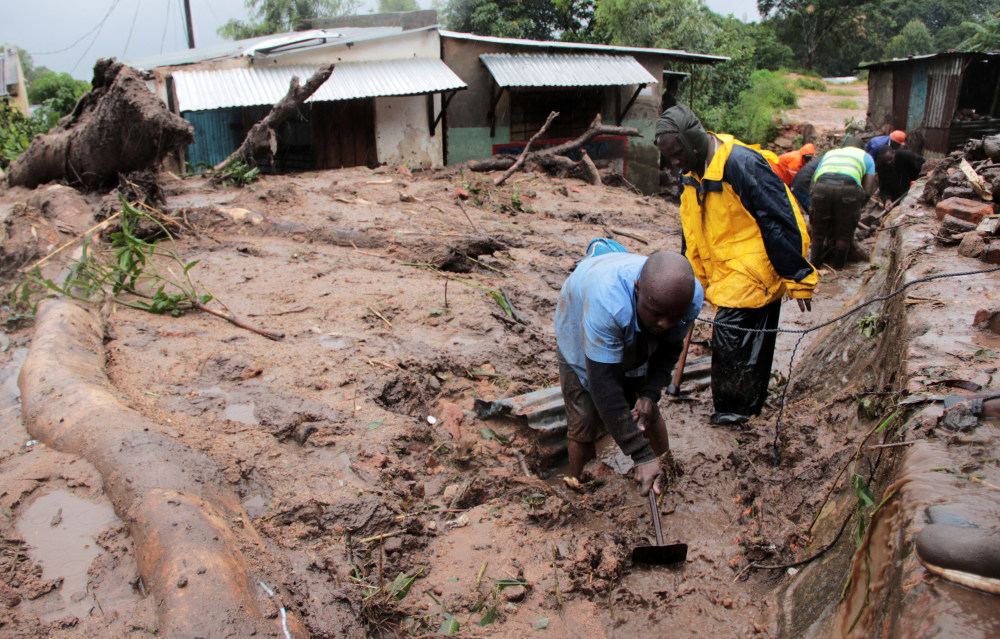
x,y
119,126
553,159
194,542
261,137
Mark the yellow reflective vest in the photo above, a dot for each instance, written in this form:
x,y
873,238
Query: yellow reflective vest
x,y
743,231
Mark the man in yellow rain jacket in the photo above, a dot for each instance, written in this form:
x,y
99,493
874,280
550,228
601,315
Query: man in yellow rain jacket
x,y
746,240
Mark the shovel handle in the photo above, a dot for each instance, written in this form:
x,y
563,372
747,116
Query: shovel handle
x,y
654,513
675,383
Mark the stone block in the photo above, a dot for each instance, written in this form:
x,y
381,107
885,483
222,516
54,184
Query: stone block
x,y
992,253
964,209
989,225
988,319
953,224
973,245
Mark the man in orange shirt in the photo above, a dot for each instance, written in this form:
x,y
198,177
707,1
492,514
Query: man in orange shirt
x,y
790,163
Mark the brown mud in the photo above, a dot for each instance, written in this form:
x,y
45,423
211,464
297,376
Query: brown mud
x,y
325,437
352,448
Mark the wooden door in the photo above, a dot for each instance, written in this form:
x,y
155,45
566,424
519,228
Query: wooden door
x,y
344,133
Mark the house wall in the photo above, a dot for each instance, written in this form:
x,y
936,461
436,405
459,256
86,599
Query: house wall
x,y
14,89
468,136
880,98
402,127
402,132
418,44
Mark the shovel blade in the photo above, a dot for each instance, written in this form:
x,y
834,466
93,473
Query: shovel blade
x,y
660,555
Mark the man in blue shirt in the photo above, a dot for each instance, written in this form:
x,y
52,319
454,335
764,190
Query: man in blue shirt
x,y
620,326
894,140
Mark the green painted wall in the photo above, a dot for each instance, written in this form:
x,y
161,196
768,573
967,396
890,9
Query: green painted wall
x,y
474,143
643,157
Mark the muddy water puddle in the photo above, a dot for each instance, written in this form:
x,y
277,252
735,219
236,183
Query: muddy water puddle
x,y
59,531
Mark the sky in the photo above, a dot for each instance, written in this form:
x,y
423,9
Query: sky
x,y
69,36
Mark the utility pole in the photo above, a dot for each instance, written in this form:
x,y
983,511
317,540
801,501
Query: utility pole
x,y
187,19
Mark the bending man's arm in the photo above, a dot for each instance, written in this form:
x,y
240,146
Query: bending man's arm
x,y
605,381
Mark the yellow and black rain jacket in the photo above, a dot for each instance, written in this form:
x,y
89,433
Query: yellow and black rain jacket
x,y
743,231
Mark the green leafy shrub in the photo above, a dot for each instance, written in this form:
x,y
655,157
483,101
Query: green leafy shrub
x,y
752,118
16,130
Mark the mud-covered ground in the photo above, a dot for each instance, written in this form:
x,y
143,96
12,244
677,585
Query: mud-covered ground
x,y
351,442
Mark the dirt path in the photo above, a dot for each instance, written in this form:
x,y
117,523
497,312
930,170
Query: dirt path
x,y
831,110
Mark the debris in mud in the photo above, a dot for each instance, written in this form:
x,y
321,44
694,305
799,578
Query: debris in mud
x,y
553,159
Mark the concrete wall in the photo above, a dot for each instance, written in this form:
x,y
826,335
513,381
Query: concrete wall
x,y
416,44
16,93
402,129
880,97
402,132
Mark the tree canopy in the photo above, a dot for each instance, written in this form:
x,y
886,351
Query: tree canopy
x,y
914,39
57,91
529,19
281,16
386,6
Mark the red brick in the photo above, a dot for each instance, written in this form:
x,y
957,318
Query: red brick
x,y
964,209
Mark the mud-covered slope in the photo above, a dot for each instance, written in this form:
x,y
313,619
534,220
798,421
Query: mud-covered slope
x,y
352,448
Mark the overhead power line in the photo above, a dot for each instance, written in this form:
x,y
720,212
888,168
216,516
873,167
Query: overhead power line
x,y
132,28
97,28
96,35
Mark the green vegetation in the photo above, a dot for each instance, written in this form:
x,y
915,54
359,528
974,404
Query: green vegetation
x,y
985,35
128,271
236,173
751,118
16,131
914,39
843,92
57,92
55,95
809,84
281,16
845,104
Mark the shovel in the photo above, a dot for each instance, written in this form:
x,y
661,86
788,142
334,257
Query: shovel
x,y
675,383
659,554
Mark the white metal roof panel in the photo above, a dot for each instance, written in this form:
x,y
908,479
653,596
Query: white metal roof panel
x,y
695,58
204,90
274,44
564,70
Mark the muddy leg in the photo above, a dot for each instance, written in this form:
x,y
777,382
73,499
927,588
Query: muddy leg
x,y
579,454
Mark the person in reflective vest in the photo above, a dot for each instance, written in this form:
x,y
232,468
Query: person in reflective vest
x,y
844,180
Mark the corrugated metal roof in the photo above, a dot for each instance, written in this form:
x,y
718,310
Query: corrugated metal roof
x,y
696,58
265,45
564,70
203,90
966,55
